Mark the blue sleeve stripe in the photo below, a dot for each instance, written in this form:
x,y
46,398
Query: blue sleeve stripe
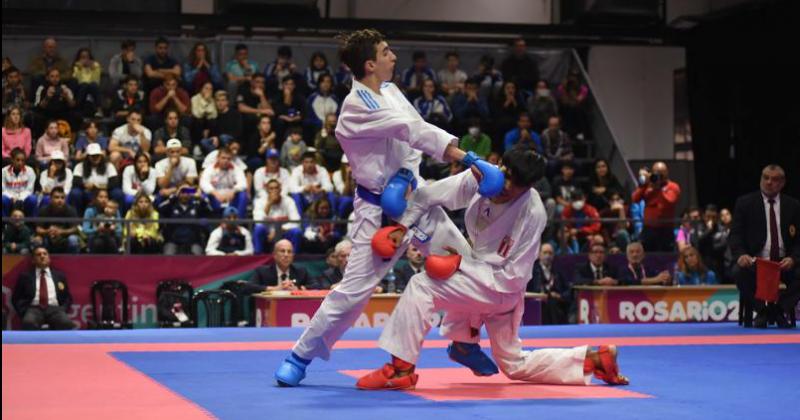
x,y
368,100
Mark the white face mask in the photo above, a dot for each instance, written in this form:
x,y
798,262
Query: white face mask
x,y
543,92
578,205
642,179
474,131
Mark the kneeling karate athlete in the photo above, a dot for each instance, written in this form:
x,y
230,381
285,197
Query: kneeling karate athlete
x,y
482,282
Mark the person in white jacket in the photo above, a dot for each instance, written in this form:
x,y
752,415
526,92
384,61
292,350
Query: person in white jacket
x,y
57,174
225,183
276,207
229,238
309,181
381,133
18,182
139,177
488,287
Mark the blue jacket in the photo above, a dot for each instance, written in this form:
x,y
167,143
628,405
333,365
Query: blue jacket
x,y
512,138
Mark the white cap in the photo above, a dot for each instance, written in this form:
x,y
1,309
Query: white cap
x,y
344,159
174,143
57,155
94,149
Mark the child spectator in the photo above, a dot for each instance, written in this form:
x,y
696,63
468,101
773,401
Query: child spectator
x,y
293,149
103,235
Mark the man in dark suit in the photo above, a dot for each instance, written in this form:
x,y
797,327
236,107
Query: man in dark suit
x,y
596,271
550,282
765,225
416,263
41,295
333,274
282,274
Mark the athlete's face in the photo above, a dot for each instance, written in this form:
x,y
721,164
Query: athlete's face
x,y
384,62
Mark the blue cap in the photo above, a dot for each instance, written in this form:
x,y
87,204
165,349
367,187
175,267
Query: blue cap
x,y
230,211
272,153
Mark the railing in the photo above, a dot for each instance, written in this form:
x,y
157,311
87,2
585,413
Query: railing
x,y
210,223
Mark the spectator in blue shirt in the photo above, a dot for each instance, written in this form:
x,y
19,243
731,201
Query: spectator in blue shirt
x,y
316,68
432,107
91,134
523,135
413,76
200,69
239,69
469,104
691,270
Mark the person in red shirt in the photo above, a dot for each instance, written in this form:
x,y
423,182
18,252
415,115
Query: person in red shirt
x,y
169,96
660,196
586,218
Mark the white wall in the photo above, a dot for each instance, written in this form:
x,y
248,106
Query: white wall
x,y
634,86
496,11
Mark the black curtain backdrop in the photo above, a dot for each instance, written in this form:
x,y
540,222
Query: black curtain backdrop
x,y
744,99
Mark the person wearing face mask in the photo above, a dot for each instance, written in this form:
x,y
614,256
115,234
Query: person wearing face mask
x,y
660,196
550,282
688,233
476,140
542,106
581,218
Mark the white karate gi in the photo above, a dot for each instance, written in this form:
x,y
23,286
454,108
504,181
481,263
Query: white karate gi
x,y
488,288
380,133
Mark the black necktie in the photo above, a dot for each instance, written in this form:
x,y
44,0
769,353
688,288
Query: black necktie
x,y
283,277
774,246
598,273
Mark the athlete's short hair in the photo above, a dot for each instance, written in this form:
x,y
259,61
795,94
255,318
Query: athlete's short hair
x,y
357,47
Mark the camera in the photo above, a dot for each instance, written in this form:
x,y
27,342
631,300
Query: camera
x,y
656,178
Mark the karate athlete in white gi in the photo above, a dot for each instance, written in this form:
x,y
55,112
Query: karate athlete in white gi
x,y
488,287
383,137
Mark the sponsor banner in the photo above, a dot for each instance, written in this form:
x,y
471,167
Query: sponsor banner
x,y
621,305
140,273
278,311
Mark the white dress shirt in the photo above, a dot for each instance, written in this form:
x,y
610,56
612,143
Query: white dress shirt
x,y
52,300
777,207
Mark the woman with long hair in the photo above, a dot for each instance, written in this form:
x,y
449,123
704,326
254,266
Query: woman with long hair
x,y
144,237
602,184
94,173
691,270
138,178
15,135
317,66
199,69
91,134
320,232
58,174
50,142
